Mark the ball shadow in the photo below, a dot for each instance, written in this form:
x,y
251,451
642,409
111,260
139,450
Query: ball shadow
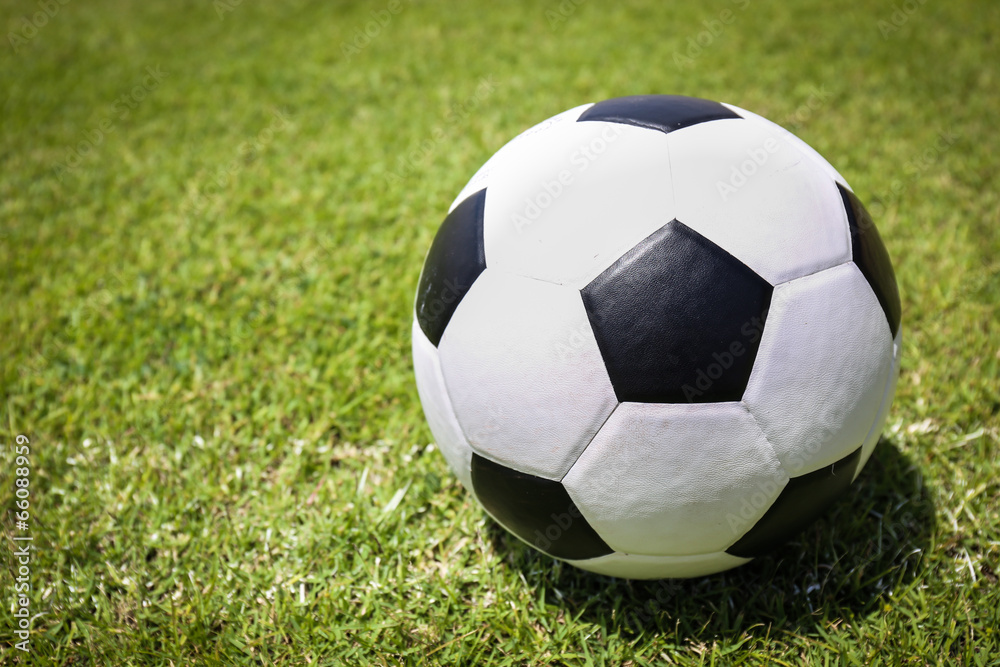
x,y
848,563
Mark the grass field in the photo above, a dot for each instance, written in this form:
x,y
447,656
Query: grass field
x,y
212,219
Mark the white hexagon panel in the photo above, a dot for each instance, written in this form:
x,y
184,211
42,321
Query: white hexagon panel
x,y
652,483
580,195
525,374
822,368
759,198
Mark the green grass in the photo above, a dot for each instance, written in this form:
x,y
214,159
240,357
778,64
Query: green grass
x,y
207,280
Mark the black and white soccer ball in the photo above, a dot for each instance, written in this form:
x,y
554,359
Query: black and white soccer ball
x,y
656,336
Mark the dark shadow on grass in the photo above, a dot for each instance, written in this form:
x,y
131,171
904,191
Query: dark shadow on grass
x,y
847,564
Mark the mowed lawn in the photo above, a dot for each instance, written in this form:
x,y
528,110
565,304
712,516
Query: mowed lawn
x,y
212,220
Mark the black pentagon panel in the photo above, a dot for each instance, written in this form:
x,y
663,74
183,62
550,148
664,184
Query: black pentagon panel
x,y
802,500
678,319
872,258
537,510
456,258
665,113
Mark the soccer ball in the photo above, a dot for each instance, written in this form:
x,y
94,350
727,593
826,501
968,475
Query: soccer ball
x,y
656,336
